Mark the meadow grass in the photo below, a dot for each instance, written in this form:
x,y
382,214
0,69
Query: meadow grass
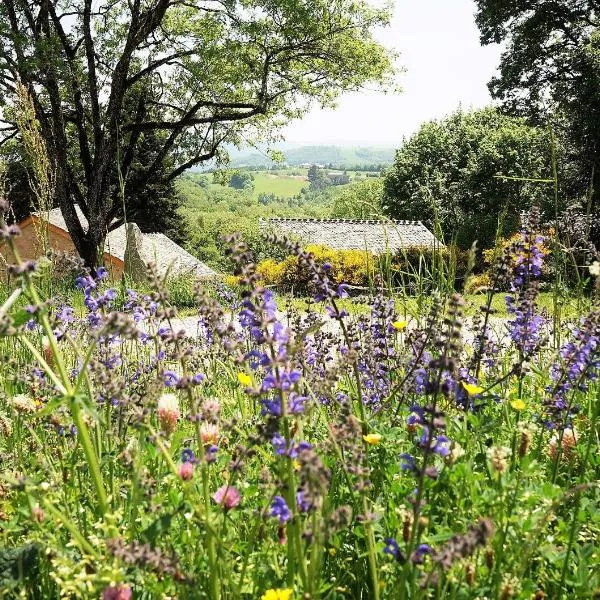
x,y
280,458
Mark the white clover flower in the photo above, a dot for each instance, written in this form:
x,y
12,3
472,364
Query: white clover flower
x,y
594,268
23,403
168,412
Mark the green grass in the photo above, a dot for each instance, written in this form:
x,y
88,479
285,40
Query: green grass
x,y
286,186
570,307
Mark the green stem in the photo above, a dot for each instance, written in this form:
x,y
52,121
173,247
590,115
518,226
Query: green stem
x,y
90,454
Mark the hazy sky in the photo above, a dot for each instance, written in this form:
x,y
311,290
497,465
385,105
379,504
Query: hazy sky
x,y
445,66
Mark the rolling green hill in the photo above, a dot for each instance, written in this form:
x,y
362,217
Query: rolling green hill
x,y
322,155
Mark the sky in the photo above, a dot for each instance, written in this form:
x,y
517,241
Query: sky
x,y
445,67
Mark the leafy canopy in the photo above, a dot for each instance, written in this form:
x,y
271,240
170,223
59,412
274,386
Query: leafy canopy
x,y
451,169
550,67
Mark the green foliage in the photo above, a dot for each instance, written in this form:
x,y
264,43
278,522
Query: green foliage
x,y
359,201
551,63
242,180
216,211
451,170
318,178
107,78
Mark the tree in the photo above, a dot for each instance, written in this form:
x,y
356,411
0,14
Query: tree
x,y
318,179
197,74
359,201
450,168
551,67
242,180
154,205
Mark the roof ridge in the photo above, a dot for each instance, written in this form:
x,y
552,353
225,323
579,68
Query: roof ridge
x,y
325,220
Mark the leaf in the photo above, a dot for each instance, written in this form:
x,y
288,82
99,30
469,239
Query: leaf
x,y
18,562
21,317
159,526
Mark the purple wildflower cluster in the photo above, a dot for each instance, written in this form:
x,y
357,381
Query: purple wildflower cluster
x,y
526,253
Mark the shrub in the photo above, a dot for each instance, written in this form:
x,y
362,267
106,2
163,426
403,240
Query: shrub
x,y
353,267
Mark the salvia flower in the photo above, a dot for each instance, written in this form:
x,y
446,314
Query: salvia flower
x,y
392,549
280,510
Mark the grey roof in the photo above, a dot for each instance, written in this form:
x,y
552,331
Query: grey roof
x,y
168,255
156,247
376,236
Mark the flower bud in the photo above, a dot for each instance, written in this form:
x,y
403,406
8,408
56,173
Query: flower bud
x,y
186,471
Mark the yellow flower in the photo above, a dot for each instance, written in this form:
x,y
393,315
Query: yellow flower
x,y
296,464
245,379
277,594
472,389
399,325
372,438
518,404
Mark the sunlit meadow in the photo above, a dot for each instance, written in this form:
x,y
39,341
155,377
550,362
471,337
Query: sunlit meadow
x,y
299,454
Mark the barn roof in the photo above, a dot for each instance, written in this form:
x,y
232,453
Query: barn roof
x,y
376,236
156,247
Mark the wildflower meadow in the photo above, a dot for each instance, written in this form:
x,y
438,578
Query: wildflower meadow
x,y
300,453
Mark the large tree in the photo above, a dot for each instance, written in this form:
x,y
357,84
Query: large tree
x,y
198,74
465,170
550,67
153,205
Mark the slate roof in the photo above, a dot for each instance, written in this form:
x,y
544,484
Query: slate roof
x,y
376,236
162,250
156,247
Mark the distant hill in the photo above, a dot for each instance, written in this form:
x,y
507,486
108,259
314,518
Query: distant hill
x,y
320,155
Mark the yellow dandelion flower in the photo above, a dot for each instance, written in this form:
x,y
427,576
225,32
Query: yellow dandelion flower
x,y
296,464
472,389
277,594
518,404
399,325
372,438
244,379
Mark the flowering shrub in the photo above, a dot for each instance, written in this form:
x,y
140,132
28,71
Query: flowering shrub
x,y
261,456
353,267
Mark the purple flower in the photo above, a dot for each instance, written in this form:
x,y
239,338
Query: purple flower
x,y
279,444
65,314
187,455
296,403
408,462
280,510
419,554
392,548
170,378
303,503
101,273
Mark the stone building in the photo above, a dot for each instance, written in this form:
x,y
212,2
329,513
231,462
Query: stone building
x,y
126,247
371,235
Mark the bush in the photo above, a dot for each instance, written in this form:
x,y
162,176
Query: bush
x,y
414,268
353,267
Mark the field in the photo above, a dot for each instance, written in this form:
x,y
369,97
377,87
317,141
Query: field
x,y
306,454
280,184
